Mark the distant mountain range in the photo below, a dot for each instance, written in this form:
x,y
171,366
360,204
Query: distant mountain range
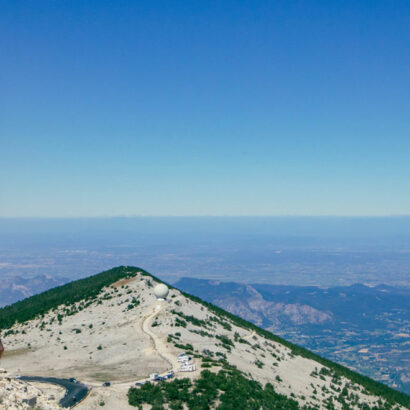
x,y
15,288
366,328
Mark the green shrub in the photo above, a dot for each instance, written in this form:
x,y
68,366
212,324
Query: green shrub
x,y
229,387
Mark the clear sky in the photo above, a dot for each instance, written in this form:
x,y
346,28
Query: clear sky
x,y
204,108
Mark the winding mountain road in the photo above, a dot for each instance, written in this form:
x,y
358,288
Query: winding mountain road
x,y
158,344
75,392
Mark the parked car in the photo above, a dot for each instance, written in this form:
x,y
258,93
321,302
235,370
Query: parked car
x,y
73,380
106,384
139,384
154,376
169,375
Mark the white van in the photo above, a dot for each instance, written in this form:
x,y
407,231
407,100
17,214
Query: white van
x,y
187,367
184,358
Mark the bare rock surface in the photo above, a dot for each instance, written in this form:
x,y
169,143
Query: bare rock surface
x,y
16,394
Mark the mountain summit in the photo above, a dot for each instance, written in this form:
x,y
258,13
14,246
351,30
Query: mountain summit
x,y
182,352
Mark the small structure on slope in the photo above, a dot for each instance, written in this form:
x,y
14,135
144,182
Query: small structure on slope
x,y
187,367
161,291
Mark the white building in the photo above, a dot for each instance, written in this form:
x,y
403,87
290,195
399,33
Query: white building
x,y
187,367
183,358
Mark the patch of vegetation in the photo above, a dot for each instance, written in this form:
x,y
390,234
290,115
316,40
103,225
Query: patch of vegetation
x,y
325,372
191,319
226,342
202,333
259,363
171,338
221,355
134,303
180,323
222,322
188,347
208,354
238,339
227,389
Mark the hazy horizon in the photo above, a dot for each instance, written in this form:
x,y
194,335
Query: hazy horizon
x,y
321,251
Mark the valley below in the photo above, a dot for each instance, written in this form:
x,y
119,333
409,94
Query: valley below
x,y
365,328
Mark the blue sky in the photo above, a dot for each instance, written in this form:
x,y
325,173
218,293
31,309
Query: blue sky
x,y
204,108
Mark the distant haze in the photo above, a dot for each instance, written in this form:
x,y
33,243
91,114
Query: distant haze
x,y
323,251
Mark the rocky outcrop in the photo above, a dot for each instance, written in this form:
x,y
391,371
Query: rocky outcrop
x,y
16,394
251,306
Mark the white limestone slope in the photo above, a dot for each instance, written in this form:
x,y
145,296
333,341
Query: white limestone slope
x,y
114,339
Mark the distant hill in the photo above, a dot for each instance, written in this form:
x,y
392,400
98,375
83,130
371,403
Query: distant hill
x,y
110,327
367,328
15,288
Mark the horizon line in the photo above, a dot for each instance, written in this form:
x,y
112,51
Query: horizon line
x,y
207,216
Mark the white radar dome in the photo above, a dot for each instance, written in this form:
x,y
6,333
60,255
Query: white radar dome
x,y
161,291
